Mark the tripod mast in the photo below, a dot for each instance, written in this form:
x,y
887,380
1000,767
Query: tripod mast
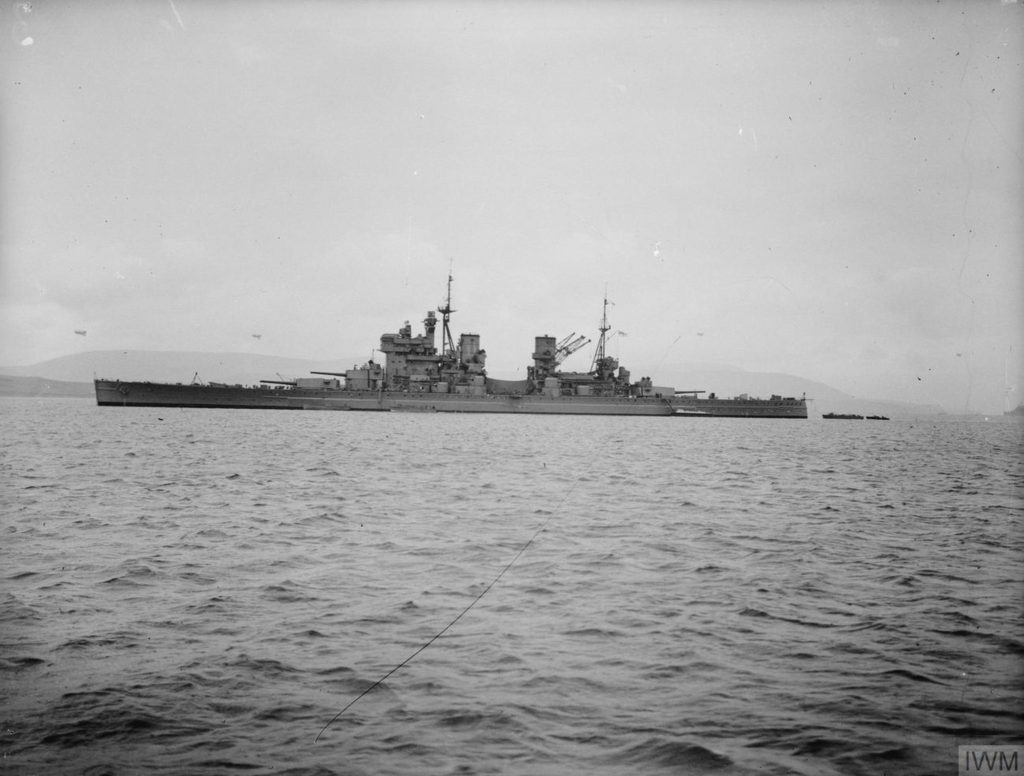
x,y
446,314
599,353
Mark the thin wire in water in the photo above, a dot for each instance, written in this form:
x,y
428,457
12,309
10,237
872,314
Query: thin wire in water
x,y
443,630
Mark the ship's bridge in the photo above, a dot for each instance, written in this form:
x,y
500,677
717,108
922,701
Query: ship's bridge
x,y
409,358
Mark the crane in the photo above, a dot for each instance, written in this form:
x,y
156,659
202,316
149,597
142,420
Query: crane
x,y
568,346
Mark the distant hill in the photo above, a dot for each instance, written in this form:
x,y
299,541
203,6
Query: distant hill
x,y
62,374
729,381
173,367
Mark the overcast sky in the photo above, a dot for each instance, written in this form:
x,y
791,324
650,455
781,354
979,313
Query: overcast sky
x,y
832,190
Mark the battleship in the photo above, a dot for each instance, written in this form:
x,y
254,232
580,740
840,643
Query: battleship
x,y
419,376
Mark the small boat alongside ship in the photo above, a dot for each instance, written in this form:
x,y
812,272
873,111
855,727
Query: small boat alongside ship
x,y
417,376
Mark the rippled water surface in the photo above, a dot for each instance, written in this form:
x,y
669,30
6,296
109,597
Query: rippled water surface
x,y
203,590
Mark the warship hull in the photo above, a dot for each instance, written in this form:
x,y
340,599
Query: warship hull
x,y
117,393
775,407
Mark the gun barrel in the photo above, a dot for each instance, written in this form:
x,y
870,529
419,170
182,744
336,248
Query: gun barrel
x,y
329,374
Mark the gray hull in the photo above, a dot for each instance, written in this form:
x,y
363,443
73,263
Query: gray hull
x,y
742,408
115,393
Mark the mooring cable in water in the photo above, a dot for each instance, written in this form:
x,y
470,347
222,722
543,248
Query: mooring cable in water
x,y
443,630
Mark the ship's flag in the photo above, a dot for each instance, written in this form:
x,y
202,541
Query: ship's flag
x,y
257,336
80,332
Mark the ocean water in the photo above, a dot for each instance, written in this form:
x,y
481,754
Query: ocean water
x,y
202,591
